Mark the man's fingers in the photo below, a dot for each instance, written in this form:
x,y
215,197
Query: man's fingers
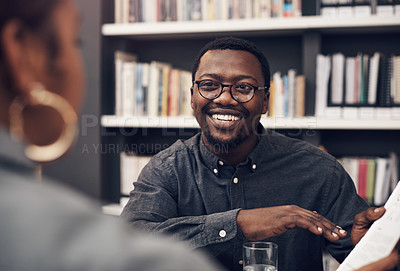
x,y
319,226
367,217
262,223
363,221
328,227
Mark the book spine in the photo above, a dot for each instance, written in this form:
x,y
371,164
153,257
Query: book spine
x,y
292,93
396,80
288,8
366,69
300,95
384,82
265,8
285,80
337,82
370,180
362,178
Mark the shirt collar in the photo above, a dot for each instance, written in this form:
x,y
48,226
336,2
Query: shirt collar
x,y
255,158
212,161
259,151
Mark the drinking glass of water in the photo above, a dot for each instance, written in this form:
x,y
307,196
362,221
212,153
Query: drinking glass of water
x,y
260,256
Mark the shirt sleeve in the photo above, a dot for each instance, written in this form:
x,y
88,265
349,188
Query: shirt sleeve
x,y
153,207
342,205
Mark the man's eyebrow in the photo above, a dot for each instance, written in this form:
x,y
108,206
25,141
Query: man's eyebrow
x,y
245,77
212,75
236,78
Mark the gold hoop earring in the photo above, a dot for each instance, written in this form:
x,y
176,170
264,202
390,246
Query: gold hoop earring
x,y
41,97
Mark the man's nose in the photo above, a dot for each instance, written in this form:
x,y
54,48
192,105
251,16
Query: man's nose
x,y
226,98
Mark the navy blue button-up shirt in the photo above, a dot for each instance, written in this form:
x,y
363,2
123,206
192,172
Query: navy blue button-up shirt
x,y
191,194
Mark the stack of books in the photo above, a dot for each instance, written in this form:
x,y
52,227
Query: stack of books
x,y
150,89
374,177
359,86
359,8
287,98
129,11
131,165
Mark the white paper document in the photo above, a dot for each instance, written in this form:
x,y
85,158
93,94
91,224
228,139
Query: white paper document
x,y
380,239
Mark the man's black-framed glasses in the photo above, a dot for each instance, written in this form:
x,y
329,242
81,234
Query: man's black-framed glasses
x,y
240,92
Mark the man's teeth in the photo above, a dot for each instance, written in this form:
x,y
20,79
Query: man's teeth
x,y
225,117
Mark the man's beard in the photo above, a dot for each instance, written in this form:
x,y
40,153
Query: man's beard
x,y
223,146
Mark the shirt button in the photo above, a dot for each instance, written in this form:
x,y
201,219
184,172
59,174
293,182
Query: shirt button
x,y
240,261
254,166
222,233
221,162
215,171
235,180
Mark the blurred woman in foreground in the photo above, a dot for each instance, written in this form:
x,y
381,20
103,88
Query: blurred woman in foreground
x,y
45,226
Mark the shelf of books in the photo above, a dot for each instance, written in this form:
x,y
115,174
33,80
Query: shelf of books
x,y
358,93
373,177
269,25
348,8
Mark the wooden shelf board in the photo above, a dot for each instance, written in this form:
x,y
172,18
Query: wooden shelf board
x,y
271,25
273,123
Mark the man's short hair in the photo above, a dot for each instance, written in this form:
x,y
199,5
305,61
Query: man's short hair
x,y
233,43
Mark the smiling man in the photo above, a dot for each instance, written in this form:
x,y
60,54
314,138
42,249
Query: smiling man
x,y
229,118
235,181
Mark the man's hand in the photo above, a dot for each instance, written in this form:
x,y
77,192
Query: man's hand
x,y
363,221
261,223
384,264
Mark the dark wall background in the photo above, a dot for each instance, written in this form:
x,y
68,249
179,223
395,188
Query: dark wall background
x,y
81,168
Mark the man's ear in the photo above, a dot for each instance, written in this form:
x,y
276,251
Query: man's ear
x,y
21,55
266,102
191,98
